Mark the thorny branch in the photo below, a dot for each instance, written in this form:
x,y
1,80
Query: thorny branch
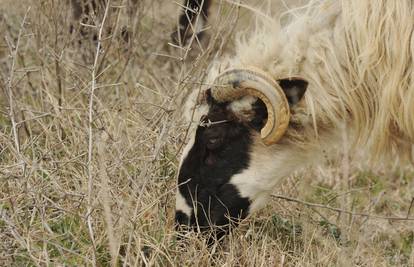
x,y
316,205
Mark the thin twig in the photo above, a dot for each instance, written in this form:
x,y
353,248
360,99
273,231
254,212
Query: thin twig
x,y
316,205
34,118
10,87
90,141
409,209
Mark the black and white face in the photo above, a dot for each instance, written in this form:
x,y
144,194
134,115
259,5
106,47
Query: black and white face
x,y
223,174
206,195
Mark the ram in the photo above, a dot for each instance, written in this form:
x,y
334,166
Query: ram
x,y
288,98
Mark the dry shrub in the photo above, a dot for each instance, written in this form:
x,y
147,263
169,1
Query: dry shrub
x,y
92,182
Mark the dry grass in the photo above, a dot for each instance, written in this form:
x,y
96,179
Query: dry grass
x,y
89,149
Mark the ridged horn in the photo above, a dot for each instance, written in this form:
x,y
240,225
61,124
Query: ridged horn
x,y
236,83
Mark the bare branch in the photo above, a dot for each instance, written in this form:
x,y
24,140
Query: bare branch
x,y
90,140
9,86
316,205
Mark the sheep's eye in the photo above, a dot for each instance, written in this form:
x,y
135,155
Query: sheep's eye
x,y
213,143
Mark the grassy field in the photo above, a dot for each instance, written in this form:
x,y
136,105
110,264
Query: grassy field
x,y
89,146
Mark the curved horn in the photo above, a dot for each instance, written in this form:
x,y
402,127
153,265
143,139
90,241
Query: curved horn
x,y
236,83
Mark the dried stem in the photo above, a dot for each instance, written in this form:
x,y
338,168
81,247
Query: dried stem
x,y
316,205
9,87
409,209
90,140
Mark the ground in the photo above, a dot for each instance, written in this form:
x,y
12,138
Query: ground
x,y
90,143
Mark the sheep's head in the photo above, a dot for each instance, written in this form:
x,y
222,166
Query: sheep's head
x,y
245,112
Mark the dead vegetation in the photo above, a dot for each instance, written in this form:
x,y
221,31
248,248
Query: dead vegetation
x,y
89,140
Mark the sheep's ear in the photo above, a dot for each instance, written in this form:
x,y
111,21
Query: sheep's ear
x,y
294,89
